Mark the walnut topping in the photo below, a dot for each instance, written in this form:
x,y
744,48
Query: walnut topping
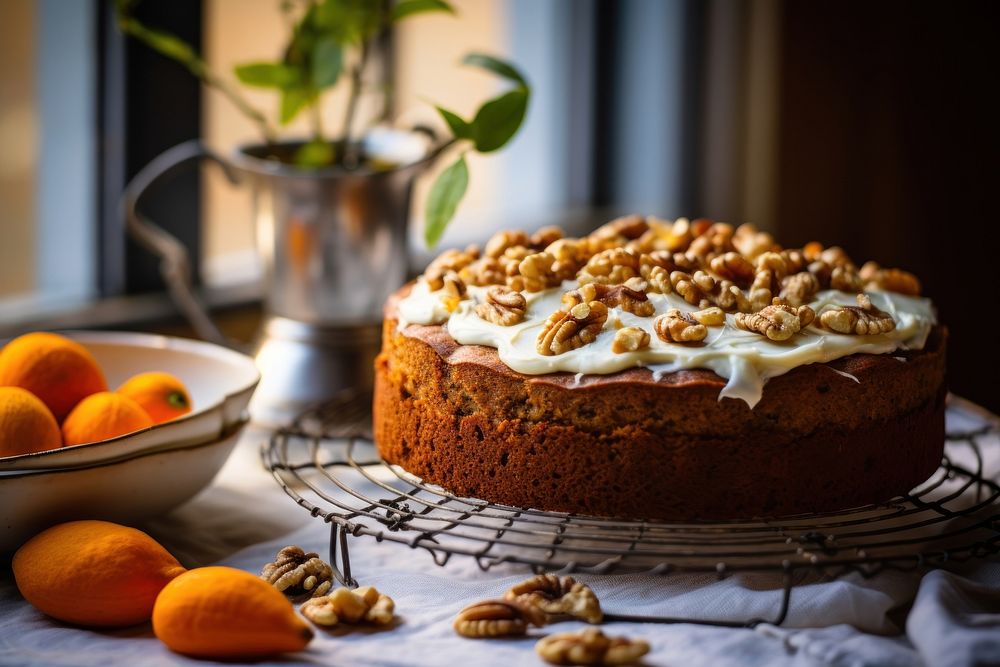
x,y
545,237
502,306
482,272
630,297
702,290
497,618
630,339
590,646
890,280
537,273
677,327
502,240
363,605
770,269
298,574
778,321
864,319
750,242
799,288
559,596
612,266
566,330
710,317
455,291
626,228
734,267
447,262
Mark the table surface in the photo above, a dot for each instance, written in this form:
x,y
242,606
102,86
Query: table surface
x,y
244,518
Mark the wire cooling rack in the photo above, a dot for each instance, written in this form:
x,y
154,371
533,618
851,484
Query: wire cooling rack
x,y
325,461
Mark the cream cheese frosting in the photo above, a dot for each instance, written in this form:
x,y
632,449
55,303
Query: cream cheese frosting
x,y
745,359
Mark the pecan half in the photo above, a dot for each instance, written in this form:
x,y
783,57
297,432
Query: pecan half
x,y
559,596
363,605
590,646
778,321
630,297
677,327
863,319
497,618
566,330
502,306
298,574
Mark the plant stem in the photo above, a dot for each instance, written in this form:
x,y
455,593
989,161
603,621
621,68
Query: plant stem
x,y
349,157
317,121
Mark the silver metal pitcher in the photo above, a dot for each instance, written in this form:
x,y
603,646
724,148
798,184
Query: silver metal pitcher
x,y
333,245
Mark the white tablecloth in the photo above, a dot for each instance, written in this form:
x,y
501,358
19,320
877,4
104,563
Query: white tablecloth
x,y
943,618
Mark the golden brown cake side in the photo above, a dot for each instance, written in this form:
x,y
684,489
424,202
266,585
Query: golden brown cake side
x,y
629,445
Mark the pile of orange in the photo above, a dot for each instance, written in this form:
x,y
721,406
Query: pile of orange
x,y
53,394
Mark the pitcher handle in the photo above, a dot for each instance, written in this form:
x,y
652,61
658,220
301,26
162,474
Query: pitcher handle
x,y
175,264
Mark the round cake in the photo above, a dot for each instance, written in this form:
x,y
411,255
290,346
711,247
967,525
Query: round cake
x,y
662,370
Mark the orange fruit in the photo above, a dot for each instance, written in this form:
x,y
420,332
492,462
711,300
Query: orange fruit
x,y
26,425
221,612
162,395
59,371
103,416
94,573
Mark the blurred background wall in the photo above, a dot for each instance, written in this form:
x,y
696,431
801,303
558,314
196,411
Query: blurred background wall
x,y
868,125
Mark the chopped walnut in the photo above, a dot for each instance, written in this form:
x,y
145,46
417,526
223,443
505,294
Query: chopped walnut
x,y
630,297
663,236
769,270
836,256
559,596
298,574
845,279
449,261
566,330
710,317
363,605
612,266
537,273
677,327
622,229
734,267
483,272
890,280
454,291
714,241
502,306
799,288
702,290
778,321
750,242
497,618
590,646
502,240
659,280
630,339
863,319
545,237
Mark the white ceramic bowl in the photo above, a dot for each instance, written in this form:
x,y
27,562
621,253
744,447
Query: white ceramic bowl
x,y
145,485
219,380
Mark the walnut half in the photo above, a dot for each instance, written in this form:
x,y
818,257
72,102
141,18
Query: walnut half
x,y
497,618
502,306
590,646
778,322
363,605
298,574
566,330
865,319
558,596
677,327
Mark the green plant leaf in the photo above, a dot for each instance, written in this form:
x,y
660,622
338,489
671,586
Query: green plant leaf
x,y
164,43
498,120
267,75
405,8
316,153
445,194
349,21
294,100
327,62
495,65
459,127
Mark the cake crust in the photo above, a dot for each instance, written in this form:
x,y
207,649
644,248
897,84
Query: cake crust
x,y
854,431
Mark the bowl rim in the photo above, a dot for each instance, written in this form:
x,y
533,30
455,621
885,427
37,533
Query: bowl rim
x,y
153,341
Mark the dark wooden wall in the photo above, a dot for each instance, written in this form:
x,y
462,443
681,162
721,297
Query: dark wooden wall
x,y
890,147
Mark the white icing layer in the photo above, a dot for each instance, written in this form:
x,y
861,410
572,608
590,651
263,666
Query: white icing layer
x,y
747,360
